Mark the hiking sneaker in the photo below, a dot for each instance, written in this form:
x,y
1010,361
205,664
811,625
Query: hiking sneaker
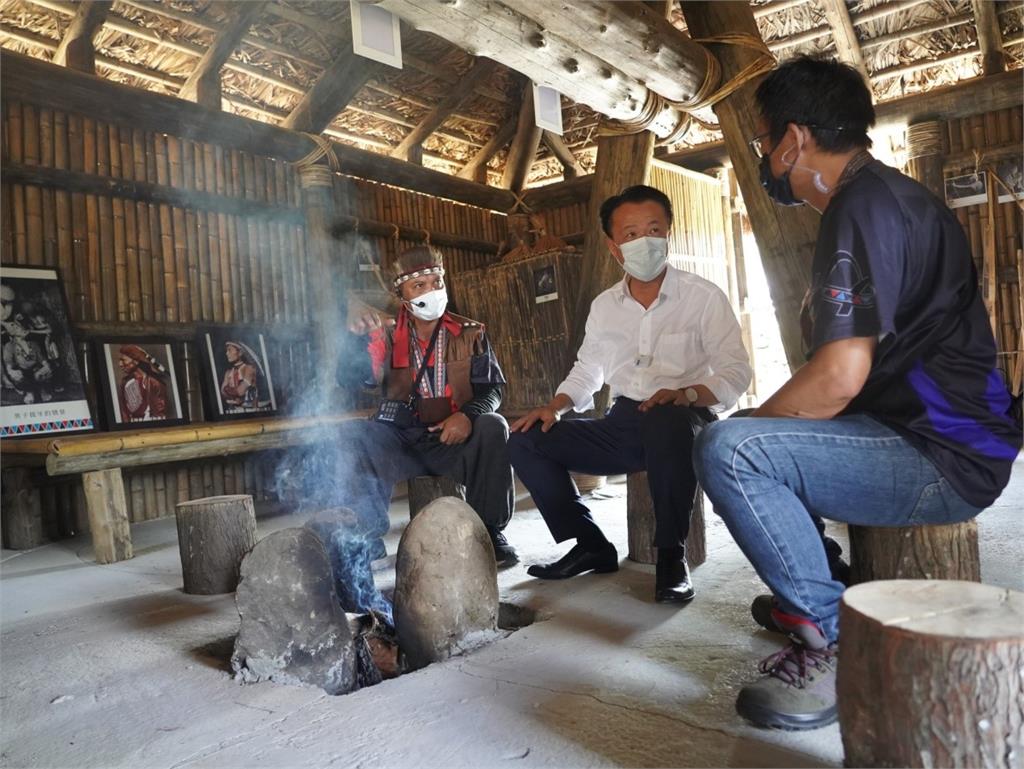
x,y
504,553
798,691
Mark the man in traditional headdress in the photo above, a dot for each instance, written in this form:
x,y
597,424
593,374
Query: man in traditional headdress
x,y
441,386
240,387
29,354
142,392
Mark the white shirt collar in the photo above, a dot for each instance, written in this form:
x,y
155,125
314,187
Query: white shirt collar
x,y
669,286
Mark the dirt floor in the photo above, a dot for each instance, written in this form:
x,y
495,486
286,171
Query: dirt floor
x,y
104,666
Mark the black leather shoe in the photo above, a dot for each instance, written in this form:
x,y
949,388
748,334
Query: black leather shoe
x,y
577,561
672,582
504,553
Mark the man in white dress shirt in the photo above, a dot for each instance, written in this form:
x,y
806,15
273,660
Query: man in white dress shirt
x,y
668,345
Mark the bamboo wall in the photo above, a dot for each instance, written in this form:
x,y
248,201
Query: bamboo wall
x,y
981,134
126,262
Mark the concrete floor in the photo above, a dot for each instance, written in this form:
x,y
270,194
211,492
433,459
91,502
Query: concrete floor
x,y
104,666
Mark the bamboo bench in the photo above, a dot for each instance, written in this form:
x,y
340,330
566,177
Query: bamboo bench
x,y
100,458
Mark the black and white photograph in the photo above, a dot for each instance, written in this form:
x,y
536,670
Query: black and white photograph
x,y
43,391
237,373
545,287
966,190
1010,173
140,385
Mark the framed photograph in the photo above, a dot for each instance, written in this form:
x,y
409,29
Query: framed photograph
x,y
42,390
139,384
237,373
376,34
966,190
547,108
1011,173
545,287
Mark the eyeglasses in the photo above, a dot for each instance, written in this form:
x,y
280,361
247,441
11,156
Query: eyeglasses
x,y
758,149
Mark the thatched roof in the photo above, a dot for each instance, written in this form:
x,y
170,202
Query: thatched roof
x,y
156,45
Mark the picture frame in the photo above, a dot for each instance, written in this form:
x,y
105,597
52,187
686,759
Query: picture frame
x,y
140,383
1011,172
376,34
966,189
42,387
545,285
237,373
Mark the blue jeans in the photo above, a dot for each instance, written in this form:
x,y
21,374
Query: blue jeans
x,y
767,477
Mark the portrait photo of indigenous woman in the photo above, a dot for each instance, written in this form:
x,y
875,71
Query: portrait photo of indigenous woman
x,y
140,385
238,379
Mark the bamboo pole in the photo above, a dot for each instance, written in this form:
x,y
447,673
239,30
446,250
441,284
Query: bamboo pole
x,y
18,215
33,196
168,279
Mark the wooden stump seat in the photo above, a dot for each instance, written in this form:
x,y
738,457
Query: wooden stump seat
x,y
640,524
931,673
100,458
915,552
424,489
214,535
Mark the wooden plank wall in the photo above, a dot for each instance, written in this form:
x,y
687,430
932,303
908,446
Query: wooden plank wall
x,y
125,262
981,133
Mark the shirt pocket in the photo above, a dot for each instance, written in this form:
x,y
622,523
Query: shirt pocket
x,y
679,351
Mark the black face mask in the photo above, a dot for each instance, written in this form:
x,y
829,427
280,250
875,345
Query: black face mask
x,y
779,190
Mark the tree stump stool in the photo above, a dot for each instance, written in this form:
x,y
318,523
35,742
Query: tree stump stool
x,y
22,510
214,535
424,489
915,552
586,484
640,524
931,673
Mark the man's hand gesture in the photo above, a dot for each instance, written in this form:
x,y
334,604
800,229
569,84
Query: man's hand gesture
x,y
455,429
546,415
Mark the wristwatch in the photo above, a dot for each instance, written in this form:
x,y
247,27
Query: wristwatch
x,y
691,395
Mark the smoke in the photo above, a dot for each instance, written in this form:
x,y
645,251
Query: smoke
x,y
332,480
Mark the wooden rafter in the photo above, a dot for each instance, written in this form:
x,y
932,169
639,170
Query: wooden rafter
x,y
844,35
861,17
629,34
570,165
76,49
203,85
501,32
990,37
476,168
480,72
332,92
524,146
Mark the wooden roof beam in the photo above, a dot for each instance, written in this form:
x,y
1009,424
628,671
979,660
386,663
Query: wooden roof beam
x,y
641,43
524,146
336,87
844,35
990,37
76,48
571,167
501,32
203,85
476,168
480,72
863,17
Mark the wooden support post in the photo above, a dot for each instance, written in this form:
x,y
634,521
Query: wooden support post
x,y
785,236
203,85
108,515
845,36
332,274
214,535
622,161
930,674
925,152
640,524
336,87
990,36
915,552
571,167
76,48
480,72
426,488
476,168
22,510
524,146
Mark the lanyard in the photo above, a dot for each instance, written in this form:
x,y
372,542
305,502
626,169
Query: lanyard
x,y
422,383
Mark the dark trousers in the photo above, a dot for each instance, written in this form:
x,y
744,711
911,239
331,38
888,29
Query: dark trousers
x,y
626,440
372,457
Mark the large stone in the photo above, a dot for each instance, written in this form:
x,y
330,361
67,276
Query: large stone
x,y
350,554
293,628
446,584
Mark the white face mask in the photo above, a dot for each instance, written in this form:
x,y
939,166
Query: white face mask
x,y
429,306
645,258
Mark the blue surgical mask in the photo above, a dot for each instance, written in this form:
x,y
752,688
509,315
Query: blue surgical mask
x,y
644,258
